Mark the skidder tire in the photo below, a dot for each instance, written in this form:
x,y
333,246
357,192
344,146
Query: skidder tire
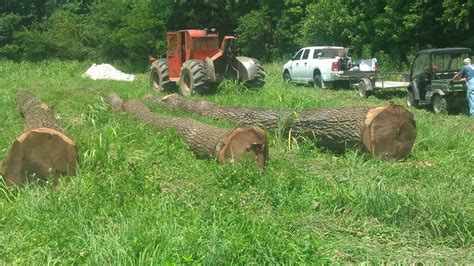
x,y
159,76
259,79
193,78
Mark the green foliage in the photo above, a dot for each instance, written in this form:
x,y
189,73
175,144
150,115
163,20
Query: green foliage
x,y
254,33
137,33
327,23
35,44
287,30
9,23
272,31
458,13
128,31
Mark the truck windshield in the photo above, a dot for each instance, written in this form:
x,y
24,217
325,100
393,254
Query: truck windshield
x,y
421,64
331,53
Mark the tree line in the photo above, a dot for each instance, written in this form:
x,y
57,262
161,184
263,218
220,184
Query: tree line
x,y
266,29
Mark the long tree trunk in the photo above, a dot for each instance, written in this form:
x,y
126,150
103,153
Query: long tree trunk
x,y
204,140
388,131
43,150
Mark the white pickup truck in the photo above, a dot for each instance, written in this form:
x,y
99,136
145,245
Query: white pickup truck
x,y
326,66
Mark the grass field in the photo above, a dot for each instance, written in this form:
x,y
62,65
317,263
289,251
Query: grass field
x,y
141,197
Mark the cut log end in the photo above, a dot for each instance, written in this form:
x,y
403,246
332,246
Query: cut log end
x,y
39,154
245,141
389,131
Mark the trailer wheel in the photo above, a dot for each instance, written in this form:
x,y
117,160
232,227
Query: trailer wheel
x,y
159,76
365,88
440,104
193,78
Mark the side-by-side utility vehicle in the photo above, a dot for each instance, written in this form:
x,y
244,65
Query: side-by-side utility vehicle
x,y
430,79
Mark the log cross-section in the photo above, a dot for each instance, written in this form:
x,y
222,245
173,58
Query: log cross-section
x,y
388,131
204,140
43,150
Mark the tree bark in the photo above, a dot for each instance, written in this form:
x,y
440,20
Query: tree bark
x,y
43,150
204,140
387,131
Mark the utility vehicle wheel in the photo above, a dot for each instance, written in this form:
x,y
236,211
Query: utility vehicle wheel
x,y
259,79
440,104
318,81
365,88
286,77
159,76
411,102
193,78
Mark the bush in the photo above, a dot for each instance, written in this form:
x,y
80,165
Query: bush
x,y
9,23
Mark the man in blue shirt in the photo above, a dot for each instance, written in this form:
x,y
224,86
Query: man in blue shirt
x,y
467,73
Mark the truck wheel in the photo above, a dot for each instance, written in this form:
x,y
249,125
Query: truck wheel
x,y
365,88
286,77
440,104
411,102
159,76
193,78
259,79
318,81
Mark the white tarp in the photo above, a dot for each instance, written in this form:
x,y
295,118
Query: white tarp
x,y
107,71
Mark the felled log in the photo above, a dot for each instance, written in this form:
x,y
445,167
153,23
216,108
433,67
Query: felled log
x,y
43,150
204,140
388,131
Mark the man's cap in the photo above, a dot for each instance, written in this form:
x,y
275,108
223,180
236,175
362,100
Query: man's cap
x,y
467,60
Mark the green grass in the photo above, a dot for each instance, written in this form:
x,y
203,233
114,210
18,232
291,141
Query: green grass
x,y
142,196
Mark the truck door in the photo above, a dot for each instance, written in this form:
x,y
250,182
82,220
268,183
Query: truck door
x,y
301,67
295,62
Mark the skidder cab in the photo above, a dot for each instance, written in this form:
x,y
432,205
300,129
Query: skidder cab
x,y
197,63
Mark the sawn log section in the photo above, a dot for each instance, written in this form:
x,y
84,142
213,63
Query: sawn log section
x,y
204,140
388,131
43,150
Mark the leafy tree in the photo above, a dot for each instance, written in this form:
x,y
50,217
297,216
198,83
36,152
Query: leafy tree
x,y
141,32
65,32
9,24
254,38
272,30
266,29
328,22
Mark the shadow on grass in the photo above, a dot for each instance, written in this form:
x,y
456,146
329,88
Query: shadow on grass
x,y
387,94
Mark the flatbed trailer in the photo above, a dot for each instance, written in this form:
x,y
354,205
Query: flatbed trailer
x,y
367,82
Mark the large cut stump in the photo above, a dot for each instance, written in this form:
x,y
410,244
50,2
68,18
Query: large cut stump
x,y
388,131
43,150
204,140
